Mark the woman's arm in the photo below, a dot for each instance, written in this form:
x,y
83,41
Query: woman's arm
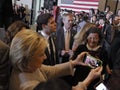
x,y
95,73
64,68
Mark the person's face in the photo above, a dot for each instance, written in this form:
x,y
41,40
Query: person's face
x,y
94,18
101,21
51,26
96,11
90,12
107,9
116,20
108,16
93,39
37,59
118,12
68,21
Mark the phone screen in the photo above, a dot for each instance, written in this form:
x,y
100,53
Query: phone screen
x,y
92,61
101,86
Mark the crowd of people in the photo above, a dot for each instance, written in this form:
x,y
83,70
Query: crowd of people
x,y
52,56
21,12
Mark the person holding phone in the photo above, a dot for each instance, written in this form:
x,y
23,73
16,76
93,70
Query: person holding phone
x,y
93,39
27,53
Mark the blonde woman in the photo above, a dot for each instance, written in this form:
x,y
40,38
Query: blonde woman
x,y
27,52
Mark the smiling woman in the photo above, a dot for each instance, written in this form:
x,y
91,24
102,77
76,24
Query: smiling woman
x,y
93,39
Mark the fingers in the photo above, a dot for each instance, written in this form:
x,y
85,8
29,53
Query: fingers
x,y
83,53
98,69
83,64
81,56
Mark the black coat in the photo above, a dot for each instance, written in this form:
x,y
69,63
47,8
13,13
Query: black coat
x,y
4,66
6,12
82,72
114,52
50,60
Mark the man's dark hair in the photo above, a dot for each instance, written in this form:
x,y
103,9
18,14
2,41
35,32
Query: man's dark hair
x,y
43,19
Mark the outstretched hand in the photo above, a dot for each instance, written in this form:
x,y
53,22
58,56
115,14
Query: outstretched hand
x,y
95,73
79,59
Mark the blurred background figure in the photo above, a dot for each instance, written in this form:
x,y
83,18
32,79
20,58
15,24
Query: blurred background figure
x,y
6,12
13,29
4,66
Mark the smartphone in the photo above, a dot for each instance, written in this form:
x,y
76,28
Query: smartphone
x,y
100,86
92,61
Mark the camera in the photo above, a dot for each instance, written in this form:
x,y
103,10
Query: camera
x,y
92,61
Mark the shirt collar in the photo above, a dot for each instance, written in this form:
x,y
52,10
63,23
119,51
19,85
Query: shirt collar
x,y
44,34
93,49
64,29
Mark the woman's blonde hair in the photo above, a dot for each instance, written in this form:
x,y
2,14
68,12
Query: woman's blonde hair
x,y
24,45
79,37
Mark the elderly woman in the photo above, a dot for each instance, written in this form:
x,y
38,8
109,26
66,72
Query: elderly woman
x,y
92,45
27,52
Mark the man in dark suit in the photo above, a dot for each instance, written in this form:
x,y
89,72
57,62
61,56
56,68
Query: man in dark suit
x,y
114,63
48,25
6,12
4,66
64,54
106,31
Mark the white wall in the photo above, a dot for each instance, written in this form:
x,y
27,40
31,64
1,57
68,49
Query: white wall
x,y
25,2
59,2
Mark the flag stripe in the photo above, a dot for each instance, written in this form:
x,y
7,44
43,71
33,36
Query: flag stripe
x,y
83,2
77,6
81,5
76,10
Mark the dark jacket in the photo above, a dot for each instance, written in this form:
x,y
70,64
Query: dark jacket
x,y
4,66
82,72
6,12
52,58
115,48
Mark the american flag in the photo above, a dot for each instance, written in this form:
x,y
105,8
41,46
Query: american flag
x,y
79,5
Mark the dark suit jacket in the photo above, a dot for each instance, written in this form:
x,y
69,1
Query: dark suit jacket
x,y
6,12
61,42
115,51
4,66
50,60
106,30
114,80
